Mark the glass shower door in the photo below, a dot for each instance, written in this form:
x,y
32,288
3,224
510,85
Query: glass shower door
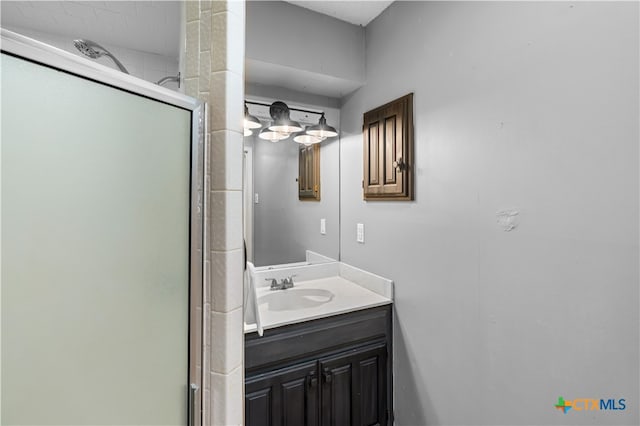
x,y
95,252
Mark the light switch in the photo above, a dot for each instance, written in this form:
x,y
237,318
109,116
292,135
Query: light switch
x,y
323,226
360,233
256,199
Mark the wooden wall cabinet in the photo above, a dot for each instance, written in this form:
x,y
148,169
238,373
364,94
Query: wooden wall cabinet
x,y
331,371
388,151
309,173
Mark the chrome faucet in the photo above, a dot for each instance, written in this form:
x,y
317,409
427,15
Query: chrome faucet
x,y
282,285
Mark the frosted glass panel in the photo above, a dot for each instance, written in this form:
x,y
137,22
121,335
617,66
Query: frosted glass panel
x,y
95,252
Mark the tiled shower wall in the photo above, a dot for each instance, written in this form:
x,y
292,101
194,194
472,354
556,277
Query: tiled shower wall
x,y
214,72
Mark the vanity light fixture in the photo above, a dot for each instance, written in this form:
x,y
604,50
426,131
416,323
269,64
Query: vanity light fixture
x,y
322,129
306,138
272,135
283,126
282,123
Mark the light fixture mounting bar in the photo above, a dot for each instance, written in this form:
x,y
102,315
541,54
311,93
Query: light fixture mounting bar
x,y
291,108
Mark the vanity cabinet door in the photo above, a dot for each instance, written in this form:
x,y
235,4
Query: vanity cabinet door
x,y
284,397
354,387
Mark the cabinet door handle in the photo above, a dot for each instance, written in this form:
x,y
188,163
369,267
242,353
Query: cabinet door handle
x,y
327,377
312,380
399,164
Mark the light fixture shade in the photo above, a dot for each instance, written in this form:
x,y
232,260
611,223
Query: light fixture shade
x,y
306,138
285,126
322,129
248,132
272,136
282,123
250,121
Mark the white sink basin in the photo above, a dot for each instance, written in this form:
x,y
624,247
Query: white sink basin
x,y
319,292
294,299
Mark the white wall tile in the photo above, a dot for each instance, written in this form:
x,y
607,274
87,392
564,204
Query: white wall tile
x,y
192,65
228,51
205,5
226,220
192,10
191,86
224,273
205,31
227,280
205,70
227,406
226,327
226,154
227,108
203,95
207,412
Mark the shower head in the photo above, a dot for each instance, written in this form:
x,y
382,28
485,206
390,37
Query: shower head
x,y
94,51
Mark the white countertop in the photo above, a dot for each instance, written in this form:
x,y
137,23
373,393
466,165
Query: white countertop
x,y
320,298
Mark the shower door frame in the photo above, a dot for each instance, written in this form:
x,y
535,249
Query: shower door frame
x,y
34,51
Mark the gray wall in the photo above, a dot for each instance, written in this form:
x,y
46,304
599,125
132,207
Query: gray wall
x,y
287,45
284,34
531,106
285,227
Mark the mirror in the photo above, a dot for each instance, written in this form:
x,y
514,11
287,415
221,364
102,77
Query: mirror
x,y
284,222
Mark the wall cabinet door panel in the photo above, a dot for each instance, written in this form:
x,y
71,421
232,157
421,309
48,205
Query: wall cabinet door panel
x,y
388,151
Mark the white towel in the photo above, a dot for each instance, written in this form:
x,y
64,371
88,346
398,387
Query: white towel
x,y
251,311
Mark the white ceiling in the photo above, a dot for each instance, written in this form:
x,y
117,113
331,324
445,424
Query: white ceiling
x,y
149,26
355,12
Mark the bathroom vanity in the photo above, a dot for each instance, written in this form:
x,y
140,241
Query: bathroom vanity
x,y
332,367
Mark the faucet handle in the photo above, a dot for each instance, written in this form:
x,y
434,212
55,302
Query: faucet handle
x,y
274,282
288,282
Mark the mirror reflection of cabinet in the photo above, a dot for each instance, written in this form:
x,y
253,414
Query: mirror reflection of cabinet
x,y
309,173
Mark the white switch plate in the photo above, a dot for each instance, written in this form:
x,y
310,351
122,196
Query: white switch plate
x,y
323,226
360,233
256,199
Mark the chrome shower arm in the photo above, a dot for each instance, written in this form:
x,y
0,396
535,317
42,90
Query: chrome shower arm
x,y
169,78
118,63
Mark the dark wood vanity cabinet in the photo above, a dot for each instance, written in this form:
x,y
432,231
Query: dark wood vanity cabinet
x,y
354,387
287,396
329,372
